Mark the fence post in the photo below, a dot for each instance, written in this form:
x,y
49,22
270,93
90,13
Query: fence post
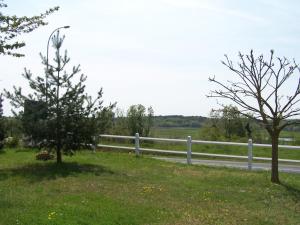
x,y
137,144
94,144
250,154
189,150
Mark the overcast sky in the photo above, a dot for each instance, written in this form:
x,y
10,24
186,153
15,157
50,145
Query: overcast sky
x,y
156,52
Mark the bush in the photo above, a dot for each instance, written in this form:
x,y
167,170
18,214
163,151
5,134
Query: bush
x,y
44,155
11,142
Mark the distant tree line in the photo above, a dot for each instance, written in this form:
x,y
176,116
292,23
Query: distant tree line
x,y
228,124
137,119
179,121
222,124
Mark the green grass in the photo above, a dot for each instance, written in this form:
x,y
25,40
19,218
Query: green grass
x,y
176,132
118,188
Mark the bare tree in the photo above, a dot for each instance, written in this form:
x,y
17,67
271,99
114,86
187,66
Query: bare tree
x,y
263,90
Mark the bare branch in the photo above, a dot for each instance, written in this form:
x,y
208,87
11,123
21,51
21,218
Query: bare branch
x,y
260,80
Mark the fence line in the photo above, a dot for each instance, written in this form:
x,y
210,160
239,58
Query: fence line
x,y
189,152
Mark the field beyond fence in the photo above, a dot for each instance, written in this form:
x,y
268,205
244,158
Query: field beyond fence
x,y
200,148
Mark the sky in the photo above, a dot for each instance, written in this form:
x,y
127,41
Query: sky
x,y
158,53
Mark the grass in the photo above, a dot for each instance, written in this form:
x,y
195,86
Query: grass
x,y
177,132
118,188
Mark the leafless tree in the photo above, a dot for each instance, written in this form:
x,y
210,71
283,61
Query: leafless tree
x,y
266,90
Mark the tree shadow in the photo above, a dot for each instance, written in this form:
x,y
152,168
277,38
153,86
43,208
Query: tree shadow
x,y
294,192
37,172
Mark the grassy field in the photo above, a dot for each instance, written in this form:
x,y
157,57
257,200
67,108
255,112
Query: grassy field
x,y
176,132
118,188
182,133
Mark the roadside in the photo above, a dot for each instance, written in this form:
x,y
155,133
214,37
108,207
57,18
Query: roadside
x,y
233,164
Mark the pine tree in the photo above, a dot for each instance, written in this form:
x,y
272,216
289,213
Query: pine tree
x,y
70,115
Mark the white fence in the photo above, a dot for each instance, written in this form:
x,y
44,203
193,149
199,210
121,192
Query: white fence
x,y
189,152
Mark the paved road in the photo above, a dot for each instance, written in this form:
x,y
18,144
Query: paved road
x,y
242,165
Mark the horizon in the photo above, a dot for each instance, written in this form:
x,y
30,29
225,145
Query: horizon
x,y
159,53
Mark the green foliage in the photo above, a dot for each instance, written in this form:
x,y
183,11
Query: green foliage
x,y
119,123
12,142
233,122
2,130
179,121
211,132
139,120
9,127
12,26
226,123
61,113
105,120
34,120
13,127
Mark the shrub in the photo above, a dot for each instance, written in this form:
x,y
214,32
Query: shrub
x,y
11,142
44,155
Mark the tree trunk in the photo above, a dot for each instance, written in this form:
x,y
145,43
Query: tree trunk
x,y
58,156
58,136
275,175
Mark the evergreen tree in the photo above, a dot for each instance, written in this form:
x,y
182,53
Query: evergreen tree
x,y
71,115
105,120
12,26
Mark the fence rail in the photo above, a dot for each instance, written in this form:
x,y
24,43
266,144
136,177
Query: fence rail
x,y
189,152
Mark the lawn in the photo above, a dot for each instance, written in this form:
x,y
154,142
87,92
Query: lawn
x,y
118,188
